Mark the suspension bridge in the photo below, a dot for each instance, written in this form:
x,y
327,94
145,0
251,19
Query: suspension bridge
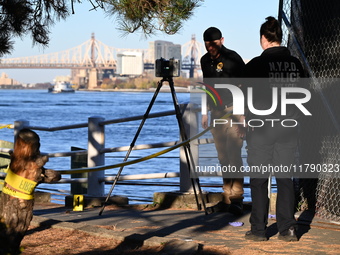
x,y
93,56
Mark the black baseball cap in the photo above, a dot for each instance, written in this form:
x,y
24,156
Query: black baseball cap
x,y
212,34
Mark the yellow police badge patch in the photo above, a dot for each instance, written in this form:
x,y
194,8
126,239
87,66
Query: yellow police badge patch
x,y
219,67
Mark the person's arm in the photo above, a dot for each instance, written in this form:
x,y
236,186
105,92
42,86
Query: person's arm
x,y
205,121
241,127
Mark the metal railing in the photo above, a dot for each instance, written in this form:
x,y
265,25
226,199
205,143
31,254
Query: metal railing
x,y
96,149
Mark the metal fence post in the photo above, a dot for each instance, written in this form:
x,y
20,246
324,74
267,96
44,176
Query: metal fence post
x,y
96,142
190,122
20,124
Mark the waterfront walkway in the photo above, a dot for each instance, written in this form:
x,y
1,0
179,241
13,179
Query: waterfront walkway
x,y
190,228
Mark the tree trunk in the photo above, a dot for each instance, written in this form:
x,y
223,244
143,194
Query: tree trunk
x,y
16,214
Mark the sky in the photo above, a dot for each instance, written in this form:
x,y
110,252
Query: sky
x,y
239,21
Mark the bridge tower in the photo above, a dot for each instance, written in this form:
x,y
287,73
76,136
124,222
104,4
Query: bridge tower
x,y
192,56
93,71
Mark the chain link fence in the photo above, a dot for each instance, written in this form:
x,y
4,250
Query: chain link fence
x,y
312,32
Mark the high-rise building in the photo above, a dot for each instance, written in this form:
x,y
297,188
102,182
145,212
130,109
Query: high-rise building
x,y
163,49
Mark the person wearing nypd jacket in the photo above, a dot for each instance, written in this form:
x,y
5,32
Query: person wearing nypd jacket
x,y
218,65
272,144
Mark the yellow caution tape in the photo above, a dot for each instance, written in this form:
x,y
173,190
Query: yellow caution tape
x,y
16,194
21,187
101,168
20,183
6,126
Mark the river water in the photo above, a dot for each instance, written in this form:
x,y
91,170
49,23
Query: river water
x,y
45,109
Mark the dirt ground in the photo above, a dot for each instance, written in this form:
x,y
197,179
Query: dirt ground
x,y
57,241
45,241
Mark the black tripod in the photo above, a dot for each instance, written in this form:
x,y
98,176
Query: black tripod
x,y
194,181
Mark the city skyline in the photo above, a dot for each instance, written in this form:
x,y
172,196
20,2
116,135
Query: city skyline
x,y
239,22
131,62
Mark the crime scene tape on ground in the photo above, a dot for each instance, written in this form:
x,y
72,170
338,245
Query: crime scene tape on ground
x,y
101,168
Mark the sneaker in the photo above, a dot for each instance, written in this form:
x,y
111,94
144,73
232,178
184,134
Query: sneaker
x,y
289,236
258,238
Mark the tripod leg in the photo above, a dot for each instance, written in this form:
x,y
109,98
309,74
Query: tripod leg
x,y
132,143
188,154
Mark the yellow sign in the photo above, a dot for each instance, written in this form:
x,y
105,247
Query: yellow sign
x,y
78,202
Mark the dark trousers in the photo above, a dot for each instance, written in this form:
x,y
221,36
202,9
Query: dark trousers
x,y
260,205
274,146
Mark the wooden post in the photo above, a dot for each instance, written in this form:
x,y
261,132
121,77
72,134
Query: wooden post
x,y
78,161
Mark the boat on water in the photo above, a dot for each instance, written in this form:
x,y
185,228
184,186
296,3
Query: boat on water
x,y
61,87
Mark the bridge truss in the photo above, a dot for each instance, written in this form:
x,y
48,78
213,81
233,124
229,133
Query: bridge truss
x,y
94,55
88,55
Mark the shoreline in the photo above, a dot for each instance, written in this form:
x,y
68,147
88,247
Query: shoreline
x,y
163,89
152,90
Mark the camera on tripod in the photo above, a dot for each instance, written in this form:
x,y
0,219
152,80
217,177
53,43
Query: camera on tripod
x,y
167,68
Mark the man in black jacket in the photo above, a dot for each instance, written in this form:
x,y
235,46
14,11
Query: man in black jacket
x,y
220,65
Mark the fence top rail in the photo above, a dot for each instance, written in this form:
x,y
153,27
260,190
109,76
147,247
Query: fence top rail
x,y
140,147
116,149
65,154
138,117
6,150
106,122
51,129
121,177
